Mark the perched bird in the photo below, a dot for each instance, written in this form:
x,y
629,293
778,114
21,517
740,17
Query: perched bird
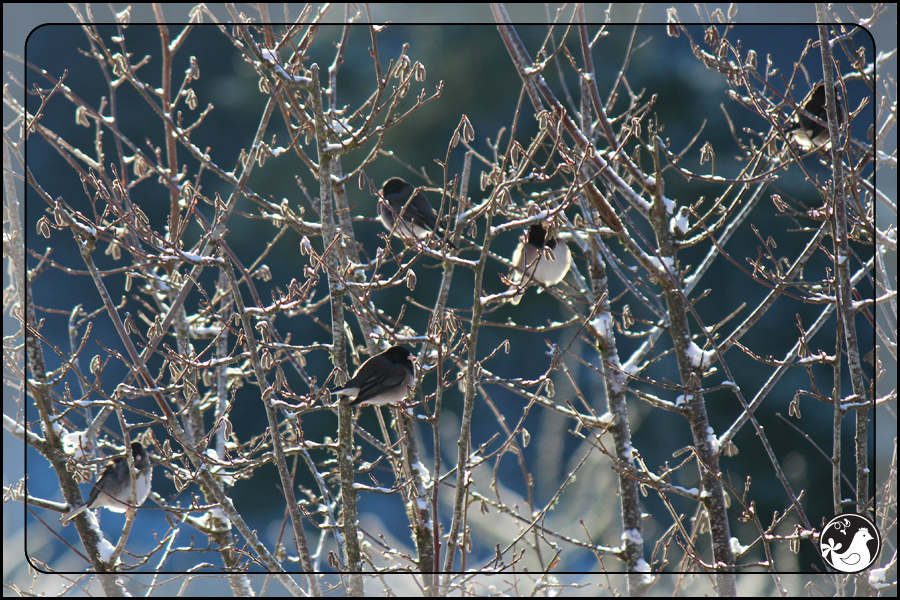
x,y
417,216
113,489
806,133
383,379
857,555
530,261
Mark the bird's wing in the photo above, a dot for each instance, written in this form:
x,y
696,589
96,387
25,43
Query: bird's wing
x,y
389,378
419,210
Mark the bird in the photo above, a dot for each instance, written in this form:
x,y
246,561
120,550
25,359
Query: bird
x,y
113,489
530,262
383,379
855,555
806,133
417,216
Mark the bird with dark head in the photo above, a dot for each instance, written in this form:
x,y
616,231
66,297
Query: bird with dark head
x,y
386,378
531,263
405,211
113,489
806,133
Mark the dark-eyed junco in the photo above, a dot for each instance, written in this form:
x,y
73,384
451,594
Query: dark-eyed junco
x,y
417,216
806,133
383,379
113,489
531,263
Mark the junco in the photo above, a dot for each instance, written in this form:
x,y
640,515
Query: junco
x,y
417,216
807,134
383,379
530,262
113,489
